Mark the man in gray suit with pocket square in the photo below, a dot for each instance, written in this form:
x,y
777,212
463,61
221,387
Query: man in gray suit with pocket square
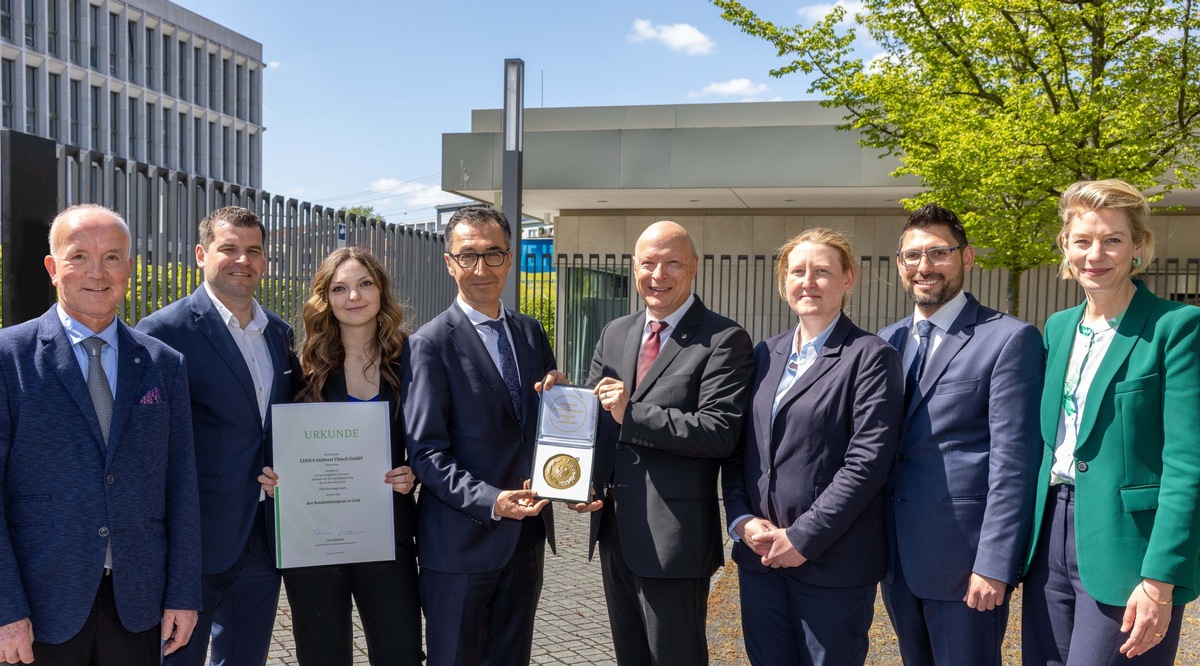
x,y
674,380
960,494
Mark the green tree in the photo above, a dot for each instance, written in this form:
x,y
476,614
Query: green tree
x,y
363,211
998,105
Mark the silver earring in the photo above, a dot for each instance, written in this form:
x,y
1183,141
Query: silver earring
x,y
1137,261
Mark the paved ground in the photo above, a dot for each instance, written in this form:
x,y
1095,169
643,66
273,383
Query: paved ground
x,y
572,623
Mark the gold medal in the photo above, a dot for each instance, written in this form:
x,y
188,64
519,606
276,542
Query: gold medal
x,y
561,471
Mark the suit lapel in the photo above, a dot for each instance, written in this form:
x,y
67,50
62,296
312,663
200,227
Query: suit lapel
x,y
56,353
132,361
827,357
462,333
526,366
633,346
1122,344
208,321
670,348
1059,345
764,398
952,342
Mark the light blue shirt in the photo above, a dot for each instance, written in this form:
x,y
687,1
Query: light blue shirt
x,y
77,333
798,363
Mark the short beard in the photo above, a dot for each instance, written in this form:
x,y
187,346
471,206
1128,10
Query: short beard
x,y
936,297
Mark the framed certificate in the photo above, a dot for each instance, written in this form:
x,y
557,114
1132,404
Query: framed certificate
x,y
332,505
566,444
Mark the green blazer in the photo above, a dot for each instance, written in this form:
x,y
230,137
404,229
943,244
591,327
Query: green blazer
x,y
1137,478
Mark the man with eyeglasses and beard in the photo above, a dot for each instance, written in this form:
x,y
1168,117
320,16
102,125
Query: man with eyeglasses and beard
x,y
960,494
470,411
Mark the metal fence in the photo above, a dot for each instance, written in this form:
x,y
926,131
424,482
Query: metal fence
x,y
164,208
592,290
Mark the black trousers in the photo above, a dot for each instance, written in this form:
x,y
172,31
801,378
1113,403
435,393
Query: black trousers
x,y
102,641
654,621
388,603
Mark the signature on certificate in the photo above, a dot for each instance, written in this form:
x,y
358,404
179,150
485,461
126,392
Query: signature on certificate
x,y
341,531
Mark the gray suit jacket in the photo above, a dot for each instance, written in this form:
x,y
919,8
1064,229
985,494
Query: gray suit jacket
x,y
961,490
683,418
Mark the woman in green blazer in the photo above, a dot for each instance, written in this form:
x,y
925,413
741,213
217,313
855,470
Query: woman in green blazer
x,y
1116,542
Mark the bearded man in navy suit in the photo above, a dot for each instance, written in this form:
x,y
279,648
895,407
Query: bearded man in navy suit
x,y
960,494
100,530
470,409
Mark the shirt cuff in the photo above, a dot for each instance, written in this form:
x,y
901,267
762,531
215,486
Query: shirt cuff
x,y
733,535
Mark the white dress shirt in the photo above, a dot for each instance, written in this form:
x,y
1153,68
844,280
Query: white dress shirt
x,y
942,320
252,342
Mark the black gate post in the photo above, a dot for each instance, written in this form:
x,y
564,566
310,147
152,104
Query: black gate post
x,y
28,203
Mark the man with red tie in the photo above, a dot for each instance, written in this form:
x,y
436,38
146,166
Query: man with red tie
x,y
674,381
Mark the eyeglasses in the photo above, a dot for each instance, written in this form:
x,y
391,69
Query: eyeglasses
x,y
470,259
935,255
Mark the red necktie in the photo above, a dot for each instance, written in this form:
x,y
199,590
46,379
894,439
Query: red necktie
x,y
650,348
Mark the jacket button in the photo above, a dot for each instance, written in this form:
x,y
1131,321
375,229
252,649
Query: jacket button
x,y
901,457
768,473
1081,466
111,479
103,531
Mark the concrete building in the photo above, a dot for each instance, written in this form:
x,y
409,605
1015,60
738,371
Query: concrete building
x,y
741,177
143,81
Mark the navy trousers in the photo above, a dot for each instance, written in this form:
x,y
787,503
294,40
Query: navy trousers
x,y
1061,625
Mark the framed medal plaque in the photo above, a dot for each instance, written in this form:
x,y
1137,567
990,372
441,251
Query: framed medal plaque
x,y
566,443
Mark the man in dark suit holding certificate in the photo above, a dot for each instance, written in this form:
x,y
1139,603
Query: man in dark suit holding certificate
x,y
674,380
470,409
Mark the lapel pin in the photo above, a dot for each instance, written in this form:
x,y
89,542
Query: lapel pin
x,y
137,360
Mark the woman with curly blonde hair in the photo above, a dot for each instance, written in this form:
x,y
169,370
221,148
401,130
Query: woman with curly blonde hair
x,y
353,348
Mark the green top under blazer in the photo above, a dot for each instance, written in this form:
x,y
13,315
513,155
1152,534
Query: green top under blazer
x,y
1137,478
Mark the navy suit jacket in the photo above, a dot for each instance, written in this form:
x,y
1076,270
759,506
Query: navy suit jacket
x,y
232,443
818,471
64,491
961,491
683,419
465,441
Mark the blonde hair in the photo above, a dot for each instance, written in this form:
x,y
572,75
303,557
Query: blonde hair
x,y
830,238
1111,194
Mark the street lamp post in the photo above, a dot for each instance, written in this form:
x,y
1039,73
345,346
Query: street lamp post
x,y
514,139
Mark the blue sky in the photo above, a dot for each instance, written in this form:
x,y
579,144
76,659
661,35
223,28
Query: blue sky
x,y
358,92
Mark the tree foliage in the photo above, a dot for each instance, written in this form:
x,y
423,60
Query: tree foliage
x,y
998,105
367,212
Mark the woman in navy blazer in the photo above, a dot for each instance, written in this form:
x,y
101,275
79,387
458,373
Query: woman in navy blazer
x,y
803,491
1115,552
353,348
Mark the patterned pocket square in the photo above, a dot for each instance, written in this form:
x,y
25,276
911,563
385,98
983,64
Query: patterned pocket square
x,y
152,397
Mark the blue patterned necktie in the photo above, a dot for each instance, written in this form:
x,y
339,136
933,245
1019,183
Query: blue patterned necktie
x,y
924,328
97,383
508,365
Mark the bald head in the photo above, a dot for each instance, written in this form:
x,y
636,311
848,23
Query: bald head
x,y
89,264
666,265
73,215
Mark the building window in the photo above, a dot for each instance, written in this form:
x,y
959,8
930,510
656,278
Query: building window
x,y
73,9
196,99
212,149
254,112
52,104
7,73
76,90
255,177
212,82
133,49
94,45
197,139
6,20
150,58
241,156
241,99
166,137
181,67
166,64
114,43
227,88
151,135
31,76
133,127
52,28
114,125
227,150
30,25
182,140
95,103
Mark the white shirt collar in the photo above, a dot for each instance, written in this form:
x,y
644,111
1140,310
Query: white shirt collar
x,y
475,316
258,320
674,318
945,315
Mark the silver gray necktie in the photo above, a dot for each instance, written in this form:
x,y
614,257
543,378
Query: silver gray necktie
x,y
97,384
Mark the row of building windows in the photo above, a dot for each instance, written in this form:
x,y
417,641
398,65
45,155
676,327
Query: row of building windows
x,y
181,66
187,140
